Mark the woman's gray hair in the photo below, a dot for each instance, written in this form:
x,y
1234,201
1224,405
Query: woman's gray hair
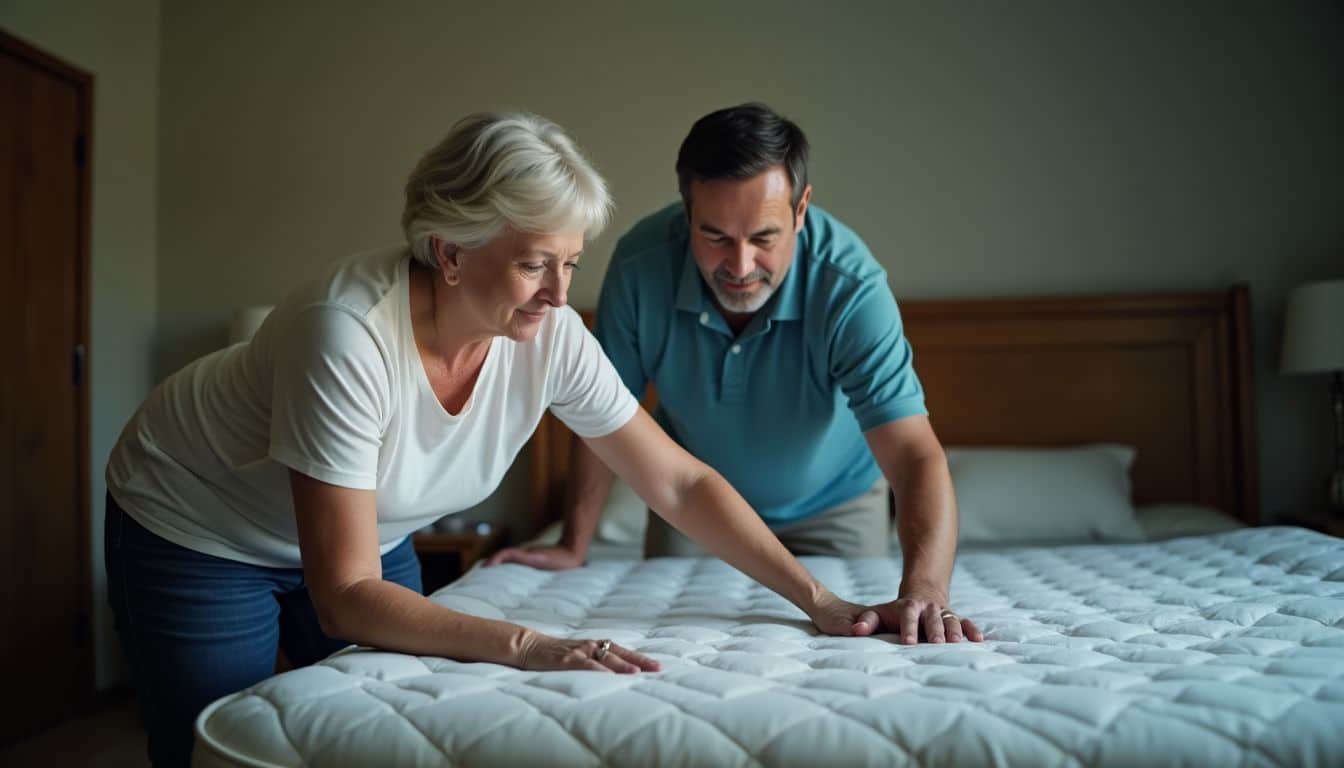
x,y
498,169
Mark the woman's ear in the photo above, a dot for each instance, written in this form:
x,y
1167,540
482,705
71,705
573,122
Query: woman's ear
x,y
449,258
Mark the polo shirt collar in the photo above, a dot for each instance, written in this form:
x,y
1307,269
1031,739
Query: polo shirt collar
x,y
691,292
786,304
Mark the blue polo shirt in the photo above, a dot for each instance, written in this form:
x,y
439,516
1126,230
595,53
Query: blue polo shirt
x,y
780,409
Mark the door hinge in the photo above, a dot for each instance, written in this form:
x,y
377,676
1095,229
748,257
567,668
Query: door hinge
x,y
77,366
81,151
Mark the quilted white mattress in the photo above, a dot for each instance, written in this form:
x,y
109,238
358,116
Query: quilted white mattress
x,y
1216,650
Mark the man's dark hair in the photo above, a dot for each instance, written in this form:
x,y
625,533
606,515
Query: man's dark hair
x,y
739,143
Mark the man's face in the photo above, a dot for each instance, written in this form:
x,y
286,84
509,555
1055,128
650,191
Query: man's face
x,y
743,236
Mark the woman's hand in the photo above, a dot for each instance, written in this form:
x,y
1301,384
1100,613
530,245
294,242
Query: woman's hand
x,y
542,653
546,558
841,617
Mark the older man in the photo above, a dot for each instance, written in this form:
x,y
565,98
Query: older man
x,y
776,349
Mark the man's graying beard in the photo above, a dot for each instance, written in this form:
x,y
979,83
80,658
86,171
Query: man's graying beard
x,y
750,303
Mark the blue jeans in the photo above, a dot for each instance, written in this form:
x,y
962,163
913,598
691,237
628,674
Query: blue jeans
x,y
197,627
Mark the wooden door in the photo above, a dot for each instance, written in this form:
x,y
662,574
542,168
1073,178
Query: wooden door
x,y
46,657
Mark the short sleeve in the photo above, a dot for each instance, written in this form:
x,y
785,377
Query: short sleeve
x,y
871,358
617,326
330,397
588,395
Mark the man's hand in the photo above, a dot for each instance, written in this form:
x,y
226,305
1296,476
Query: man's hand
x,y
546,558
916,609
925,609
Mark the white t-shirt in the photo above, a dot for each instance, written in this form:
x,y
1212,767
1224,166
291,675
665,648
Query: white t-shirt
x,y
332,386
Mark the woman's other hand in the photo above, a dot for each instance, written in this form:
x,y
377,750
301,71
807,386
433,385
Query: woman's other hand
x,y
546,558
841,617
543,653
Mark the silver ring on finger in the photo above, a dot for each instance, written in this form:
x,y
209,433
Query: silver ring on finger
x,y
947,613
602,647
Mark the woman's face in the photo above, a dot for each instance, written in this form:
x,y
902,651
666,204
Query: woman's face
x,y
511,282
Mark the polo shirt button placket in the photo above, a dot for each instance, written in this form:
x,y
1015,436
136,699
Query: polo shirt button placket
x,y
734,380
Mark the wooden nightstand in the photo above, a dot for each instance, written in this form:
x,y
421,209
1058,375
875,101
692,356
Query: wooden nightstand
x,y
1332,525
444,557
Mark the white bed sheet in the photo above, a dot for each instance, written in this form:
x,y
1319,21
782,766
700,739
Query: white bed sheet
x,y
1213,650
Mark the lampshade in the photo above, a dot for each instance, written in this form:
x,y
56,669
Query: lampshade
x,y
1313,328
246,321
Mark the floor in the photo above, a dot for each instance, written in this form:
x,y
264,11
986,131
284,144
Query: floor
x,y
110,737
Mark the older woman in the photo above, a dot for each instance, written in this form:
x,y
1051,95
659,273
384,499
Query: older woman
x,y
262,496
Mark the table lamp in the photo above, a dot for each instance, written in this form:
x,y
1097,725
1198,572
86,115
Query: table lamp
x,y
1313,342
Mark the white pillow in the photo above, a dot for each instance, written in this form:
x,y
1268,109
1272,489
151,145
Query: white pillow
x,y
624,517
1002,495
622,523
1044,495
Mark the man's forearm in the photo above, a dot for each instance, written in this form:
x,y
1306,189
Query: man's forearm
x,y
585,497
927,524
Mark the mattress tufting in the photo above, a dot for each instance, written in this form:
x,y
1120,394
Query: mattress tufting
x,y
1214,650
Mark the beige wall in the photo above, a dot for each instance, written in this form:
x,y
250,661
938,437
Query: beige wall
x,y
120,47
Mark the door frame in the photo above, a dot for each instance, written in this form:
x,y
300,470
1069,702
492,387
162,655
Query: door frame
x,y
83,82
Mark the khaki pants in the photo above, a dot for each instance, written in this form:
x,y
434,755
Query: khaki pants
x,y
860,527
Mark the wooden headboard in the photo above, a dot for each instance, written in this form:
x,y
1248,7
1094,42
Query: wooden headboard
x,y
1169,374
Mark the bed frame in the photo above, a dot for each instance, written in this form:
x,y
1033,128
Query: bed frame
x,y
1169,374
